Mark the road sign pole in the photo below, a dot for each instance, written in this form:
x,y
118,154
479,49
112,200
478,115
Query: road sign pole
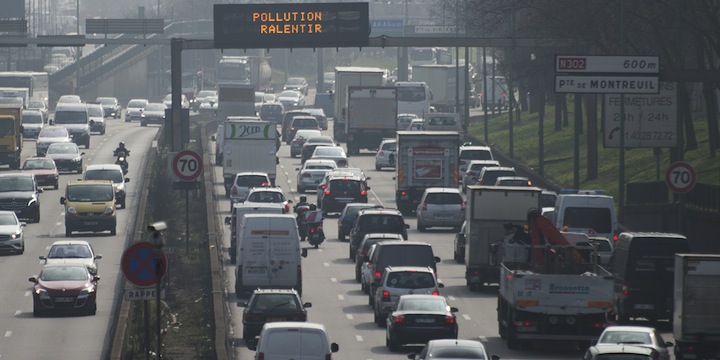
x,y
146,313
187,222
158,312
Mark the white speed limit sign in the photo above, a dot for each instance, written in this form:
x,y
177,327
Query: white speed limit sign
x,y
187,165
680,177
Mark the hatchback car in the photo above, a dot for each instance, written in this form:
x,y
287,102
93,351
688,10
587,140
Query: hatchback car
x,y
134,109
258,196
348,216
319,115
334,153
20,193
470,176
469,153
417,319
287,120
67,157
301,122
272,112
97,118
301,136
313,142
338,173
404,120
153,113
340,191
488,176
33,122
312,172
113,173
72,252
376,221
11,233
64,288
441,207
271,305
453,349
291,99
513,181
50,135
244,182
637,336
402,280
362,255
297,83
44,169
385,156
111,106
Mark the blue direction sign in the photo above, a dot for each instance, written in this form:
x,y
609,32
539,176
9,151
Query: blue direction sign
x,y
139,267
389,27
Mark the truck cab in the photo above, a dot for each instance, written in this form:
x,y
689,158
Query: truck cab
x,y
11,137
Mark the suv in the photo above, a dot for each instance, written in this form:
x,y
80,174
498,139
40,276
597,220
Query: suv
x,y
440,207
89,206
319,114
348,216
376,221
287,119
470,176
75,118
19,192
385,156
342,190
399,253
469,153
301,122
243,182
272,112
402,280
488,176
112,172
271,305
362,254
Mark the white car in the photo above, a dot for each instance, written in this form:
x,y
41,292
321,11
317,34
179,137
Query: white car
x,y
470,176
244,182
73,252
134,109
96,114
312,172
441,207
385,156
260,196
637,336
112,172
12,229
184,103
334,153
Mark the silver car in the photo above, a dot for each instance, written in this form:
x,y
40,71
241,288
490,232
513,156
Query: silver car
x,y
33,122
312,172
442,207
470,176
73,252
50,135
134,109
402,280
637,336
334,153
11,230
385,156
244,182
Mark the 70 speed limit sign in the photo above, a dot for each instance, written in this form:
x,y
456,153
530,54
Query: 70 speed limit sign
x,y
680,177
186,165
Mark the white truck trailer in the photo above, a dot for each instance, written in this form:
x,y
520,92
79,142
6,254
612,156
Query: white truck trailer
x,y
443,82
556,294
371,117
696,311
249,146
346,76
488,209
235,100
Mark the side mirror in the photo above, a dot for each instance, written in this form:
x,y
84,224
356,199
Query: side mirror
x,y
454,309
303,253
96,278
437,259
368,178
127,180
82,153
98,256
212,138
407,226
227,220
334,347
41,190
41,257
441,285
33,279
23,224
62,200
251,344
51,122
307,305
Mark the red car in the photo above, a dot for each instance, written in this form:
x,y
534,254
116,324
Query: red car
x,y
46,173
64,289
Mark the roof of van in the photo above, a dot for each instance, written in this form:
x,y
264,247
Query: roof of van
x,y
70,106
403,243
652,234
274,216
103,167
293,325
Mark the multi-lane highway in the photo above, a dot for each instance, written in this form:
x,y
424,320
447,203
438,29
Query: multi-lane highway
x,y
23,336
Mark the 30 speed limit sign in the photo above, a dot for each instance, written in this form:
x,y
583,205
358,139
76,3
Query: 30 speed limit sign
x,y
680,177
187,165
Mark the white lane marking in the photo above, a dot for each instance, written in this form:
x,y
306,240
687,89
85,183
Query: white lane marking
x,y
349,316
326,264
376,197
58,223
18,312
483,339
28,293
358,338
333,280
450,297
340,297
466,317
8,334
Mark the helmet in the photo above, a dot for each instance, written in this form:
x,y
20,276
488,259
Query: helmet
x,y
121,144
303,199
313,207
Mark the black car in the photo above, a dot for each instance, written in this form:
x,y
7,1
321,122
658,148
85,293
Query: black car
x,y
362,253
271,305
341,191
376,221
459,244
111,106
272,112
620,351
67,156
417,319
19,192
287,119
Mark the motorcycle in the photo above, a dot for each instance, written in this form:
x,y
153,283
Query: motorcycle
x,y
315,233
122,161
300,210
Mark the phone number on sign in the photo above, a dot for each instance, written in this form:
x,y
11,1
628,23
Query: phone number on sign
x,y
650,135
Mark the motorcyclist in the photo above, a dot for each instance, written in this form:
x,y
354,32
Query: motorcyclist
x,y
302,202
121,148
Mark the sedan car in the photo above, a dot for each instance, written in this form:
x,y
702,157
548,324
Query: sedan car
x,y
313,142
635,335
50,135
64,288
334,153
312,172
111,106
44,169
134,109
385,156
297,83
20,193
301,136
67,157
271,305
184,103
452,349
154,113
402,280
319,114
72,252
96,114
291,99
259,196
200,97
623,352
513,181
11,233
417,319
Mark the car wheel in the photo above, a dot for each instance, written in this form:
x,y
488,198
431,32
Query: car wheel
x,y
22,249
357,274
87,143
370,299
113,232
36,219
93,310
143,124
102,132
351,255
122,204
377,168
247,335
292,155
56,185
392,343
420,226
68,232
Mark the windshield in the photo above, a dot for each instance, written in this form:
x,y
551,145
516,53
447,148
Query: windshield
x,y
31,118
422,305
115,176
382,223
8,219
35,105
16,183
252,181
71,251
106,101
64,273
410,93
598,219
476,155
334,151
155,107
205,93
62,148
95,111
54,133
266,197
71,117
136,104
7,127
290,93
33,164
89,193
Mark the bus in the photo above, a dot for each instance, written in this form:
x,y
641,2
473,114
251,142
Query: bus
x,y
429,55
36,82
413,97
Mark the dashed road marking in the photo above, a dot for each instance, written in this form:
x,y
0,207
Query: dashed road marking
x,y
451,298
349,316
333,280
358,338
341,297
18,312
466,317
59,222
483,339
325,264
28,293
8,334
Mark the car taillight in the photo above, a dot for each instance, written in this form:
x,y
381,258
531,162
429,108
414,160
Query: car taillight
x,y
327,192
385,296
261,356
323,186
626,288
449,319
615,236
399,319
287,208
381,153
292,129
462,205
266,184
403,193
436,293
424,206
328,356
378,274
234,190
363,193
306,175
362,252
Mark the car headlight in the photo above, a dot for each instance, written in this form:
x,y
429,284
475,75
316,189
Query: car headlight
x,y
142,115
41,292
108,210
71,210
87,290
77,159
15,236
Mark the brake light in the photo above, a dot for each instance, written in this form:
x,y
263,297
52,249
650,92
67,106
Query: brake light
x,y
363,193
323,186
378,274
261,356
292,129
615,236
449,319
385,296
424,206
234,190
287,208
399,319
463,205
306,175
327,192
403,193
328,356
362,252
626,288
436,293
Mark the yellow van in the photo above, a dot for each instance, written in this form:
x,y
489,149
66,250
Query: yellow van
x,y
89,206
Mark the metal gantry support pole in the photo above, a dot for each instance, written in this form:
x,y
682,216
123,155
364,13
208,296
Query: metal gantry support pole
x,y
176,86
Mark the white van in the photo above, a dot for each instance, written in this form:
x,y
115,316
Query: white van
x,y
593,215
293,340
268,253
235,220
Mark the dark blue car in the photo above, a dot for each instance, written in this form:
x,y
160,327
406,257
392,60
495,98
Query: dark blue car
x,y
348,216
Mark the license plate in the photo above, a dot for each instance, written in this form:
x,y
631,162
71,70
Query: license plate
x,y
344,199
443,217
275,319
64,299
90,223
425,321
644,306
256,271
